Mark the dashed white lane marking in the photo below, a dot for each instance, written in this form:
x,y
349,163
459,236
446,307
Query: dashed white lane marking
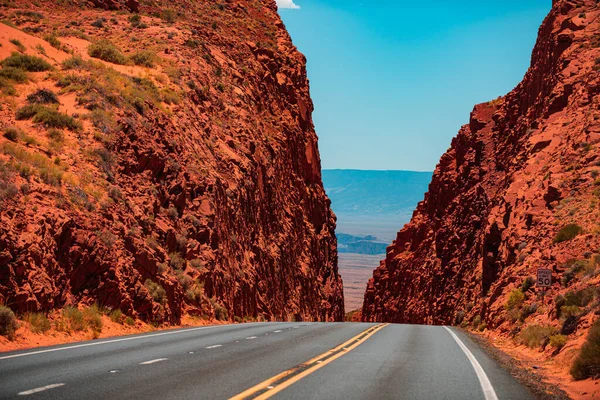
x,y
153,361
237,341
277,331
190,352
270,387
295,327
106,342
114,371
486,385
251,337
40,389
214,346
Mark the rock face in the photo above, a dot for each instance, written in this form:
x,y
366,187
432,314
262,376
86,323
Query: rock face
x,y
192,183
524,167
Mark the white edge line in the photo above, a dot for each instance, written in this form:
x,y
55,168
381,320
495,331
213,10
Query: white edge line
x,y
107,342
486,385
153,361
214,346
40,389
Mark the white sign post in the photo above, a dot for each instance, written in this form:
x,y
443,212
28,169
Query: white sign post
x,y
544,280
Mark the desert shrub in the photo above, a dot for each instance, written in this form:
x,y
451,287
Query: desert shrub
x,y
38,321
580,298
129,321
93,318
195,293
558,341
568,311
170,96
56,135
53,41
157,292
106,51
168,15
177,262
526,311
74,62
482,327
587,363
99,23
13,74
536,335
47,116
71,320
527,284
8,322
221,313
476,321
42,96
116,316
144,58
172,213
26,62
12,134
515,300
568,232
18,43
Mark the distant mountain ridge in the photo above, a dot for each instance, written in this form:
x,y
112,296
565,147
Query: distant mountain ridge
x,y
367,192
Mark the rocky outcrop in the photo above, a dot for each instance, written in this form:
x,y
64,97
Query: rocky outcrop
x,y
193,183
524,167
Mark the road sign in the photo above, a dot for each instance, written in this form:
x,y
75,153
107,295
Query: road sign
x,y
544,277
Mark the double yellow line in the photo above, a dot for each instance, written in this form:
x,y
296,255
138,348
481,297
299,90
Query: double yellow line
x,y
276,384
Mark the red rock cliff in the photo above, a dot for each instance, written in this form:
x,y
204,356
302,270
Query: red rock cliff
x,y
524,167
189,179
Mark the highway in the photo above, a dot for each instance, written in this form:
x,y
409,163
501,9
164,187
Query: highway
x,y
295,360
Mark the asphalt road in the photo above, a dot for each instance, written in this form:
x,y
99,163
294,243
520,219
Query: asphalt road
x,y
294,360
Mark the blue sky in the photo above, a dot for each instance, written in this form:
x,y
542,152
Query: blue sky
x,y
393,81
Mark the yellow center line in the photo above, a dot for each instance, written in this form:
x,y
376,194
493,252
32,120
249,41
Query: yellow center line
x,y
276,384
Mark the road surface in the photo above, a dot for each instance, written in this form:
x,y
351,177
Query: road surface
x,y
296,360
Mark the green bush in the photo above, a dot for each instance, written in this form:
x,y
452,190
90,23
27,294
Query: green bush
x,y
42,96
568,232
116,316
144,58
558,341
74,62
38,321
569,311
72,320
8,322
17,75
93,318
26,62
515,300
106,51
12,134
47,116
221,313
580,298
537,335
18,43
527,284
587,363
157,292
129,321
168,15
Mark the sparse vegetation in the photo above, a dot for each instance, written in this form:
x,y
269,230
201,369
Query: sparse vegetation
x,y
568,232
144,58
42,96
558,341
157,292
17,75
515,300
47,116
221,313
38,322
168,15
116,316
8,322
18,43
26,63
587,363
106,51
537,335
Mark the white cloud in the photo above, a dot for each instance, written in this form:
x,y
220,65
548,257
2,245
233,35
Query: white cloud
x,y
287,4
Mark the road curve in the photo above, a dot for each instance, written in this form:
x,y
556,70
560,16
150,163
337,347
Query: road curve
x,y
295,360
